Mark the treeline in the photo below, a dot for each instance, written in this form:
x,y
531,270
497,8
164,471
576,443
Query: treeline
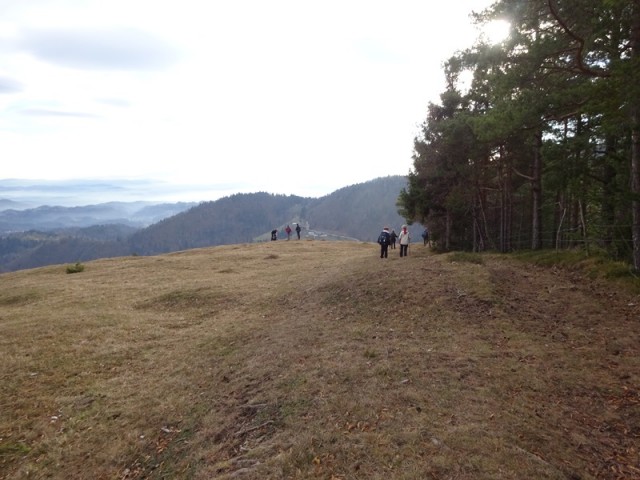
x,y
541,149
32,249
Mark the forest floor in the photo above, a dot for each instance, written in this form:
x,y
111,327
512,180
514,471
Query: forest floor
x,y
311,359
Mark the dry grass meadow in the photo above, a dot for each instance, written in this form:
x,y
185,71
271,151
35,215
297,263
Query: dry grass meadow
x,y
311,359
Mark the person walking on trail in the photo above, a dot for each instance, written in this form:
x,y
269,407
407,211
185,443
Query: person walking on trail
x,y
384,239
274,234
298,230
288,230
425,236
394,237
404,238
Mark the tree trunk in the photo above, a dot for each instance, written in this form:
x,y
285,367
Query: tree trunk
x,y
608,208
508,204
557,220
635,138
505,185
536,192
447,236
475,233
635,186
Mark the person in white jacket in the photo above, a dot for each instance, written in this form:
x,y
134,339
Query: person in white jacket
x,y
404,238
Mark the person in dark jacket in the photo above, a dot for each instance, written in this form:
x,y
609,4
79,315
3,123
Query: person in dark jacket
x,y
394,237
425,236
384,239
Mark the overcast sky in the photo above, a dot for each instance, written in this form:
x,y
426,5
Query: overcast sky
x,y
284,96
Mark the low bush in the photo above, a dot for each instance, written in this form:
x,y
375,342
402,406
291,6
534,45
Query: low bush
x,y
77,268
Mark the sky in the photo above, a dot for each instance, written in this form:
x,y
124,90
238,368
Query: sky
x,y
208,98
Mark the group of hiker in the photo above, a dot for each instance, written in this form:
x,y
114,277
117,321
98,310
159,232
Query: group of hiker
x,y
287,230
388,239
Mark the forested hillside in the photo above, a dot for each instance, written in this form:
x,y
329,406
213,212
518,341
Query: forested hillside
x,y
360,211
235,219
46,249
356,212
542,149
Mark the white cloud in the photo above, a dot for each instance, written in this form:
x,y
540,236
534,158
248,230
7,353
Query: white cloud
x,y
284,96
108,49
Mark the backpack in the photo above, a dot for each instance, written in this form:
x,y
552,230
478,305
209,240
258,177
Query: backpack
x,y
383,239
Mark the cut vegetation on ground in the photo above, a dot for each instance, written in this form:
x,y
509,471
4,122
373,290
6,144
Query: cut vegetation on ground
x,y
303,359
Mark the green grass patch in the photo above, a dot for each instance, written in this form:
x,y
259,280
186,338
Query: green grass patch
x,y
12,448
187,298
594,266
20,299
466,257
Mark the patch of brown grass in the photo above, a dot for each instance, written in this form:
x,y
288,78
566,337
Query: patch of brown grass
x,y
316,360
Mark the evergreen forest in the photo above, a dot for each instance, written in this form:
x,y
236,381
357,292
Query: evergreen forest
x,y
535,142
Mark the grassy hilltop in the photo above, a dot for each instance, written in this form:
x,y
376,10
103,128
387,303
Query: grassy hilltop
x,y
310,359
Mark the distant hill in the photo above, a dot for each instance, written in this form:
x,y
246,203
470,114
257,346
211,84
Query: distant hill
x,y
7,204
47,218
356,212
239,218
360,211
35,249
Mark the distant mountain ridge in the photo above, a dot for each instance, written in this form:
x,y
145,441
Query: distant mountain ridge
x,y
357,212
46,218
